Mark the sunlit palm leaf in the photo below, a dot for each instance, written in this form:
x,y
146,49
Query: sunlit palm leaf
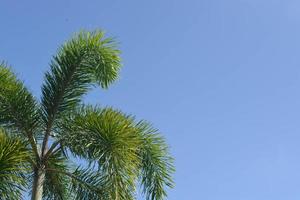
x,y
119,145
107,137
86,60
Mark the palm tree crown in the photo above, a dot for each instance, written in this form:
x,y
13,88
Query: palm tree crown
x,y
39,139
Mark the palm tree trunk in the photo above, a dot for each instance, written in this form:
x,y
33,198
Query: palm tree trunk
x,y
37,188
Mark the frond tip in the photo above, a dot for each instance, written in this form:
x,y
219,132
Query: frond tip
x,y
156,165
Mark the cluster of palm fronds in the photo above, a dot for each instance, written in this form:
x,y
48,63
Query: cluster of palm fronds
x,y
38,139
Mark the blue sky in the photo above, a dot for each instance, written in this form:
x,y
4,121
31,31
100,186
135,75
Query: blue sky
x,y
220,79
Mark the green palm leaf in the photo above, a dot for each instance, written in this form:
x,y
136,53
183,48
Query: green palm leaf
x,y
14,166
156,165
107,137
18,108
88,184
86,60
123,149
56,184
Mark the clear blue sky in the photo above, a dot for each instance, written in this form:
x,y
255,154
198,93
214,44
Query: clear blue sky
x,y
220,79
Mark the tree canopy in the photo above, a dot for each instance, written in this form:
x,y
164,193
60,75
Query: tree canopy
x,y
40,137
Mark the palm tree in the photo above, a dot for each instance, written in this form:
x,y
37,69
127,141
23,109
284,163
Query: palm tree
x,y
39,140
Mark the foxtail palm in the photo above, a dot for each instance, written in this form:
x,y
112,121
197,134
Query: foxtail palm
x,y
40,138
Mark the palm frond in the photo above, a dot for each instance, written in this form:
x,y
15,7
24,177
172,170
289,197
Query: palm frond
x,y
84,184
88,184
18,108
156,165
56,185
86,60
125,151
107,137
14,166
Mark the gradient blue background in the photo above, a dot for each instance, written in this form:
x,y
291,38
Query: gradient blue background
x,y
220,79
